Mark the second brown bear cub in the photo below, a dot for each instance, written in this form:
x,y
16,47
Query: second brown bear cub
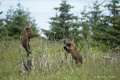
x,y
73,50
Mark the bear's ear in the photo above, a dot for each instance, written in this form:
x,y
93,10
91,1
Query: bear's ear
x,y
68,44
26,28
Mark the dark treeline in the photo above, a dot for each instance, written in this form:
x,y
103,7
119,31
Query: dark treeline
x,y
94,24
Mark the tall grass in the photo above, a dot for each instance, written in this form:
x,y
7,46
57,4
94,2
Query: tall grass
x,y
51,64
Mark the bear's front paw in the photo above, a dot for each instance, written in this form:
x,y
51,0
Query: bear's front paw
x,y
65,47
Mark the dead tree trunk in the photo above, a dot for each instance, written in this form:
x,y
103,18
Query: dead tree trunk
x,y
87,45
29,61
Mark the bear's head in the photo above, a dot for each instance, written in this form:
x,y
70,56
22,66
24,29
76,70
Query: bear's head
x,y
28,29
69,44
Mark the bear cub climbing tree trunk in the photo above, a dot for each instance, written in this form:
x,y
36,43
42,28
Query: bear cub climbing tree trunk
x,y
25,40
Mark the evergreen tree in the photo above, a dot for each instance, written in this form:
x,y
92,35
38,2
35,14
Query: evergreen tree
x,y
2,30
112,23
64,24
16,20
92,20
84,23
96,20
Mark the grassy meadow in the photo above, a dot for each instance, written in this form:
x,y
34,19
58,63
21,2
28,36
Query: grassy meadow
x,y
51,62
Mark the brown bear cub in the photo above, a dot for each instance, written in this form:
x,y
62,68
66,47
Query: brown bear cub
x,y
25,40
73,50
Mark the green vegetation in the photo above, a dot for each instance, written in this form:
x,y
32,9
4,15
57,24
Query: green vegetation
x,y
101,27
98,32
13,24
64,24
48,56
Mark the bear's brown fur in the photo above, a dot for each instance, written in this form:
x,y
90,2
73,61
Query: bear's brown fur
x,y
73,50
25,40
